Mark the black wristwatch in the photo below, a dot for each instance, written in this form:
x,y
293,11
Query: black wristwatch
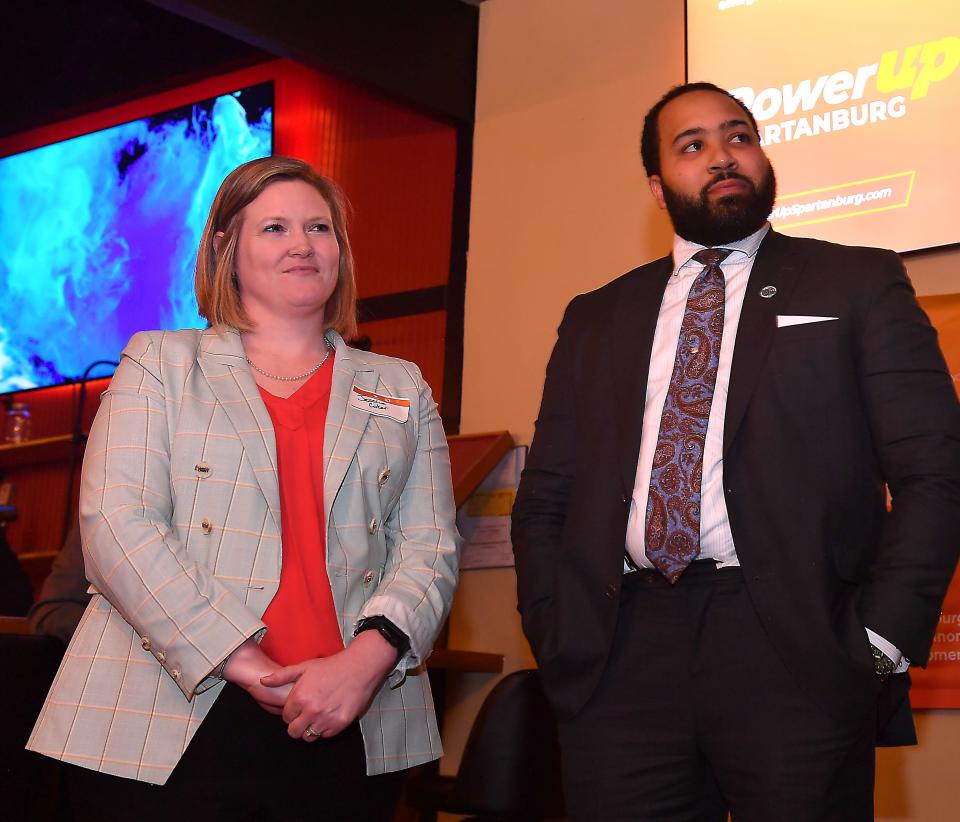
x,y
390,632
882,664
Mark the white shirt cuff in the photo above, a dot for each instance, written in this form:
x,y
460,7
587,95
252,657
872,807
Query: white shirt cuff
x,y
890,650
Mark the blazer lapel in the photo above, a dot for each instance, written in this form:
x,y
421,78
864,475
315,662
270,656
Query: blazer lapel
x,y
778,265
632,341
224,365
345,425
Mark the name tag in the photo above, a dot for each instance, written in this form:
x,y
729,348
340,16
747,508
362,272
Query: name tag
x,y
380,404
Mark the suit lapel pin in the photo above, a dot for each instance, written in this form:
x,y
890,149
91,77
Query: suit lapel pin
x,y
768,291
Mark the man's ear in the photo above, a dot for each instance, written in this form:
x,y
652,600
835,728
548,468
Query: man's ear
x,y
656,188
217,242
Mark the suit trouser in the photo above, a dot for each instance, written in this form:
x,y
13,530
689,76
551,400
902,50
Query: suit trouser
x,y
695,700
242,766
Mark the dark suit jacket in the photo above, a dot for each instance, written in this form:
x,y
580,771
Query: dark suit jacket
x,y
819,416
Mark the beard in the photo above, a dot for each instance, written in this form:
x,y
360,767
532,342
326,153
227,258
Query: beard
x,y
730,218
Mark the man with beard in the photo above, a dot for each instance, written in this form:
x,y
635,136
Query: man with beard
x,y
721,604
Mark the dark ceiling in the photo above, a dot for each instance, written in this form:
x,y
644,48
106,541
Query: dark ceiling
x,y
63,58
72,58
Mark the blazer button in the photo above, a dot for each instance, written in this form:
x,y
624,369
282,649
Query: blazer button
x,y
372,527
611,591
175,673
383,477
161,657
206,526
367,577
145,644
203,469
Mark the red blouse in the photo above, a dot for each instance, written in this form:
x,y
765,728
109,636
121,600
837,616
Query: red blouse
x,y
301,617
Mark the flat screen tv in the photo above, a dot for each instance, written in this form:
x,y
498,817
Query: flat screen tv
x,y
99,233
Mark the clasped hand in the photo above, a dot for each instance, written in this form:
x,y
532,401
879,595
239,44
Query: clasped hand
x,y
324,695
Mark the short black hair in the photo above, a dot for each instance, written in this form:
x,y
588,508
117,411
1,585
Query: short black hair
x,y
650,140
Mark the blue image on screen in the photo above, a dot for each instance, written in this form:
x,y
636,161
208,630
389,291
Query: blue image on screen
x,y
99,234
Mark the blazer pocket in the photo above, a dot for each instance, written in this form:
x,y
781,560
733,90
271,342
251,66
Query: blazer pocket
x,y
828,329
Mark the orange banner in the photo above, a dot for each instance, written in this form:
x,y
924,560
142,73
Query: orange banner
x,y
938,685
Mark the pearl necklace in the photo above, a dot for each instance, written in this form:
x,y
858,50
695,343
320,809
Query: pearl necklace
x,y
309,373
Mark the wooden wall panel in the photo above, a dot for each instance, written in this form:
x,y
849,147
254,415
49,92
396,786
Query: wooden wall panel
x,y
419,338
40,476
396,167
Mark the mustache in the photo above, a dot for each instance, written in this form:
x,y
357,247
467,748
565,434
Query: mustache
x,y
727,175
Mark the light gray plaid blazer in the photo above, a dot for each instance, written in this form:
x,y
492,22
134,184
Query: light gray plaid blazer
x,y
180,515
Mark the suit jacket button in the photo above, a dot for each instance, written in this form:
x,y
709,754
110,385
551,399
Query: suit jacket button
x,y
611,591
383,477
175,673
145,644
161,657
367,577
372,527
206,526
203,469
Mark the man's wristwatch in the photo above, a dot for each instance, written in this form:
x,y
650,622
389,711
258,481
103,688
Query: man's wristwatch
x,y
390,632
882,664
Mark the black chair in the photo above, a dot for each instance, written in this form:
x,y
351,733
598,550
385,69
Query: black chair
x,y
510,768
29,783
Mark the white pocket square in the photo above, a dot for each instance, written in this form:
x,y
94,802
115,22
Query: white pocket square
x,y
783,320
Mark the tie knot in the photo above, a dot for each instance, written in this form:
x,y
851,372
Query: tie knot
x,y
712,256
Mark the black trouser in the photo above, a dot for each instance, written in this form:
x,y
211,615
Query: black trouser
x,y
241,765
696,711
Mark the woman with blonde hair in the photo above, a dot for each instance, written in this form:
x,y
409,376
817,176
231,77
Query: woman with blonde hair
x,y
269,528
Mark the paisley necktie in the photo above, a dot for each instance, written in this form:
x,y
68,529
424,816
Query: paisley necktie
x,y
673,506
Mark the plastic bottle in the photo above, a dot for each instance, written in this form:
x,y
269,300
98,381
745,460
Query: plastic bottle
x,y
18,423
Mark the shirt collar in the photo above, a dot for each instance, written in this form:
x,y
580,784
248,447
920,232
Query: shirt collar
x,y
746,248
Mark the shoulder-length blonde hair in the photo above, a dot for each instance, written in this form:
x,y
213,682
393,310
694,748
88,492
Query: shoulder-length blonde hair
x,y
218,296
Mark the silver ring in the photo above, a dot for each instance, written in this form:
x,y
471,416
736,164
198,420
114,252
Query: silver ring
x,y
311,732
